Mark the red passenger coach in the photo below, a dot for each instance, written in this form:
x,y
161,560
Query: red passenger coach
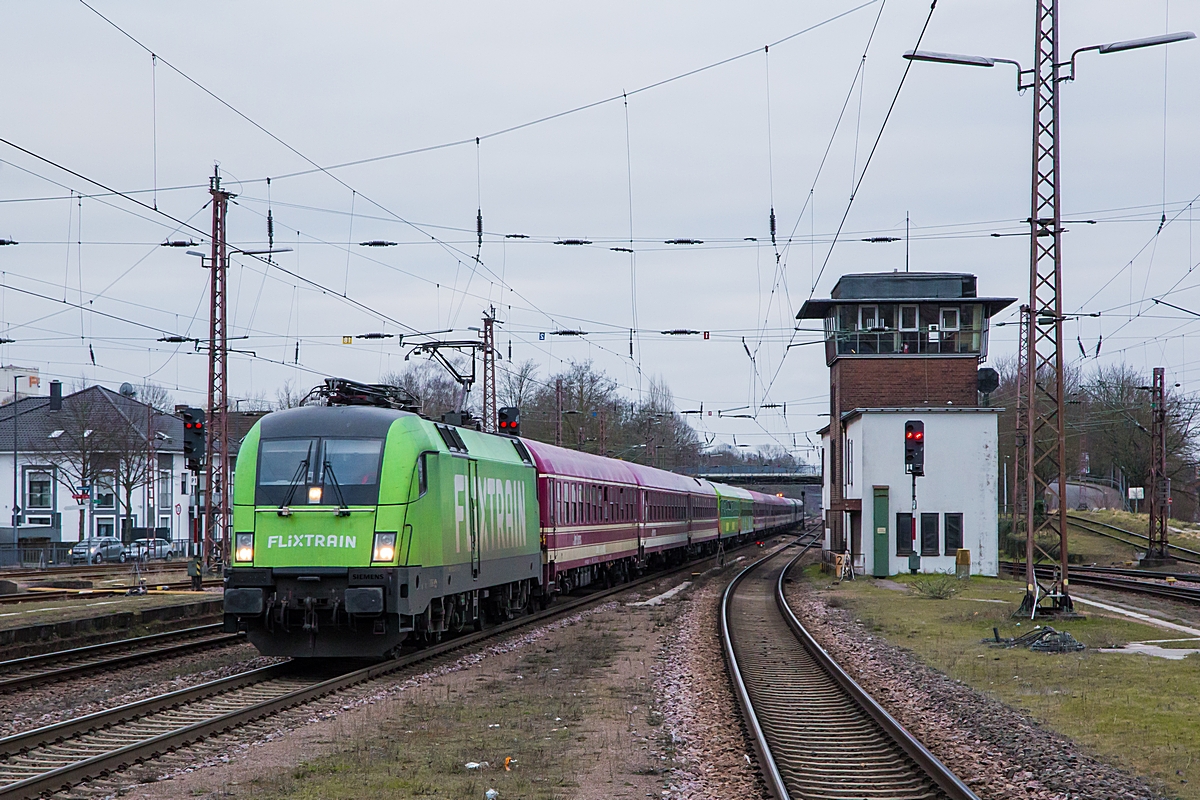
x,y
602,518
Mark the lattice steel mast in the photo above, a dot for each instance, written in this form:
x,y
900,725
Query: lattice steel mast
x,y
217,467
489,371
1160,484
1046,453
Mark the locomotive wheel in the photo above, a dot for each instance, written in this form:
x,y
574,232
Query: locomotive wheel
x,y
457,619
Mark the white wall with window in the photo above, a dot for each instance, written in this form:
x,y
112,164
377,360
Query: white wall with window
x,y
50,508
956,499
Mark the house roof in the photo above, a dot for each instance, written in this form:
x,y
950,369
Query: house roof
x,y
35,422
882,288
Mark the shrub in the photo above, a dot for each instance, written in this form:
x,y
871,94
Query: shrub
x,y
936,587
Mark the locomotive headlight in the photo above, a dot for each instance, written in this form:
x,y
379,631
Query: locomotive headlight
x,y
243,547
384,548
314,494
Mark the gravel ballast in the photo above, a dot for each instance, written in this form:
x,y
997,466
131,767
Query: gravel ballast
x,y
998,751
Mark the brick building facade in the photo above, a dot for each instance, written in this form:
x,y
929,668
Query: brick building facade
x,y
895,341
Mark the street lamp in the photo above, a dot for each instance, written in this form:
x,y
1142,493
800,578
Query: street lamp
x,y
985,61
16,509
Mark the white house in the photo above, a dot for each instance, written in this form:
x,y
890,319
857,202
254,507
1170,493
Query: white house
x,y
77,458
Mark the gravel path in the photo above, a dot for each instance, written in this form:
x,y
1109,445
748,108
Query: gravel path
x,y
998,751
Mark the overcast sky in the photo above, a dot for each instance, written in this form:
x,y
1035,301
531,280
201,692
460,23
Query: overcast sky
x,y
693,158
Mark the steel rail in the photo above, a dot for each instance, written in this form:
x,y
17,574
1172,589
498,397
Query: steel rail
x,y
21,673
758,739
1081,576
1124,572
916,773
112,720
1083,523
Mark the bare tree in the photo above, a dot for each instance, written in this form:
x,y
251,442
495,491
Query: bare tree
x,y
133,461
430,383
77,442
287,396
518,383
156,396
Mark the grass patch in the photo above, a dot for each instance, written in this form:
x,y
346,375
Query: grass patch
x,y
418,747
1134,710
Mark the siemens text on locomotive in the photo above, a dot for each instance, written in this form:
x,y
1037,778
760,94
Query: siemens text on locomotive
x,y
357,528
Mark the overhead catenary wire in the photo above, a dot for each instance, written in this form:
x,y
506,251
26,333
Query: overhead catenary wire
x,y
862,176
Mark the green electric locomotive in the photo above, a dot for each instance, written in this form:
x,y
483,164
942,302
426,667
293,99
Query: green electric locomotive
x,y
355,527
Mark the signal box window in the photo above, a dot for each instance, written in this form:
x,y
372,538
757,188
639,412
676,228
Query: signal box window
x,y
904,539
868,318
954,533
950,325
929,535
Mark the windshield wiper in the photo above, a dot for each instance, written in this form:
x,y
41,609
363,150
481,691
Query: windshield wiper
x,y
343,510
301,471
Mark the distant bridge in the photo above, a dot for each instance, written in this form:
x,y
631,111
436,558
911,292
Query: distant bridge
x,y
805,474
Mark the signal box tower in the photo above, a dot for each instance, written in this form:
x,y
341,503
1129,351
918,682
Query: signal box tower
x,y
905,347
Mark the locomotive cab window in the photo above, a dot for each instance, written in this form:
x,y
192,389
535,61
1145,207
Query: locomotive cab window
x,y
312,471
282,461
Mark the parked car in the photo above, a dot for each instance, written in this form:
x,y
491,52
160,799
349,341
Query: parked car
x,y
97,550
147,549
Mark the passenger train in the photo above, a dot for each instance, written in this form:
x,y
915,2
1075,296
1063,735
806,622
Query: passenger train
x,y
357,529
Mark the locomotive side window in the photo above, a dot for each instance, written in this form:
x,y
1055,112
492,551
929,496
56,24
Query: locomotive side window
x,y
422,476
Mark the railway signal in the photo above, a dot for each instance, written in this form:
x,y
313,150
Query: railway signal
x,y
510,420
193,435
914,447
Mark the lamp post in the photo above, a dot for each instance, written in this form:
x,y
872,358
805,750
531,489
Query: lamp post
x,y
1045,449
16,509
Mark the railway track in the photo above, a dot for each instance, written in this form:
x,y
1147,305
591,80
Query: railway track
x,y
22,673
1122,535
47,595
1103,578
816,732
108,569
56,757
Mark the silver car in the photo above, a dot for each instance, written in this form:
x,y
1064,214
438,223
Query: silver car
x,y
97,550
148,549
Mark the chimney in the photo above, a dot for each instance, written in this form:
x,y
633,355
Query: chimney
x,y
56,395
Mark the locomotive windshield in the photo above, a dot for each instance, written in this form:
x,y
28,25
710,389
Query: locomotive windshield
x,y
318,471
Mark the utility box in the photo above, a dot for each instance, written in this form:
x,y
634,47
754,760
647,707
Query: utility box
x,y
962,563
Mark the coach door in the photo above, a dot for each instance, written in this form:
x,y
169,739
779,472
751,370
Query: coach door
x,y
473,514
641,526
